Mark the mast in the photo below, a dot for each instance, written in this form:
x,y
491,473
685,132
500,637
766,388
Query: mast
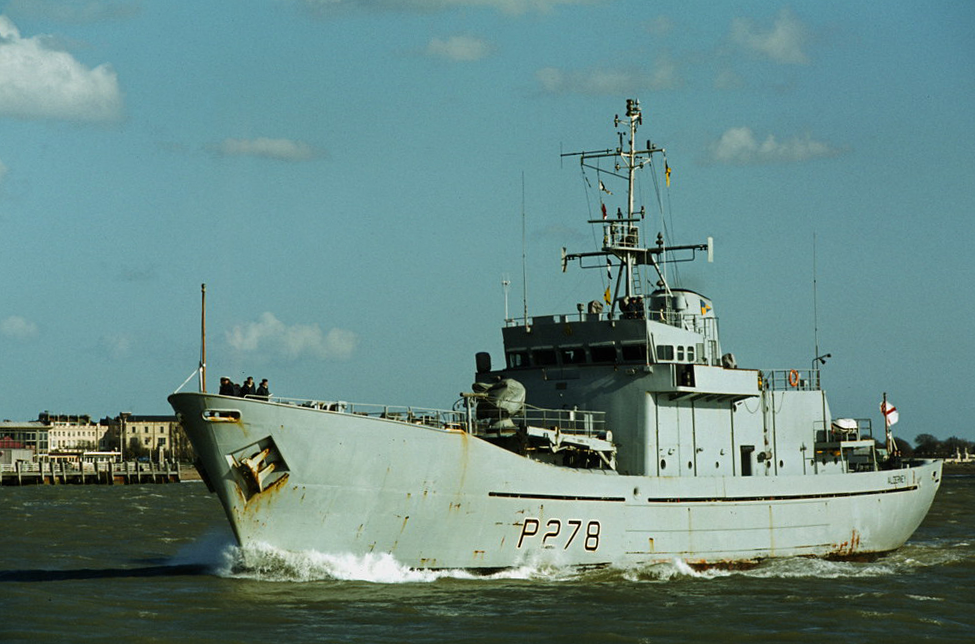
x,y
622,235
203,339
524,254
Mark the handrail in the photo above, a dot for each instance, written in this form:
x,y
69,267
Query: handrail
x,y
442,418
588,423
791,380
570,421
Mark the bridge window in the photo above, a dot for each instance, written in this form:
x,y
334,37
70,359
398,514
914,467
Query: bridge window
x,y
665,352
573,355
543,357
635,353
517,359
603,353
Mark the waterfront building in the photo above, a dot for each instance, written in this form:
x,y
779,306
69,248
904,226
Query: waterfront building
x,y
13,451
31,434
146,436
71,433
63,435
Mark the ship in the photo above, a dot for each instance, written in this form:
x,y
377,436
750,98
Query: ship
x,y
620,433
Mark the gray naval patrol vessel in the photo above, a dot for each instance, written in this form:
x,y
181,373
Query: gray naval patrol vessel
x,y
618,434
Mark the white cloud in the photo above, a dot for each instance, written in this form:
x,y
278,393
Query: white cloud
x,y
739,146
271,337
781,43
327,8
37,81
18,328
608,82
283,149
459,48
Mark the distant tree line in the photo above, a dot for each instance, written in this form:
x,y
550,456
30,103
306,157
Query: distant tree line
x,y
928,445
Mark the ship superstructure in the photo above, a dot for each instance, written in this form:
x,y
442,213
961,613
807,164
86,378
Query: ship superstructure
x,y
619,433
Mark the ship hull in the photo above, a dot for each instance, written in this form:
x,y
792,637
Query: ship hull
x,y
302,479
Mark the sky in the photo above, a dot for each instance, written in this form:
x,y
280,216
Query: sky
x,y
353,179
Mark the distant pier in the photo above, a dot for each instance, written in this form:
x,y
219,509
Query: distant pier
x,y
70,473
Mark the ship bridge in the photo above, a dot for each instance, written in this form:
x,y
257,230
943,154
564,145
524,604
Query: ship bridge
x,y
674,326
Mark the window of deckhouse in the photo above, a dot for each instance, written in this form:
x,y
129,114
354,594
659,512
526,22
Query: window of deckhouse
x,y
543,357
573,355
603,353
517,359
634,353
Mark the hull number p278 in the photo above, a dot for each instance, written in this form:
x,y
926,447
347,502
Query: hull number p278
x,y
555,532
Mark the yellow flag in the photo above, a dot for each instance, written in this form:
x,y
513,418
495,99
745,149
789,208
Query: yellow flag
x,y
607,296
667,173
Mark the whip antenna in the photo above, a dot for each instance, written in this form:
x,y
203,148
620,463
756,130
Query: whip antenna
x,y
203,338
524,253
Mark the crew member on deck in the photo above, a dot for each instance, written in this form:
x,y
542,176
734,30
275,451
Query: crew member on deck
x,y
248,388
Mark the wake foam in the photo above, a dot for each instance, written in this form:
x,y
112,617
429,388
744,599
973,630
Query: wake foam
x,y
219,555
267,563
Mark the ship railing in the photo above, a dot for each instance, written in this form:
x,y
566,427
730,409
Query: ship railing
x,y
569,421
706,326
621,234
791,380
835,433
440,418
560,318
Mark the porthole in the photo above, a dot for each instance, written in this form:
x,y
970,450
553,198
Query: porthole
x,y
663,463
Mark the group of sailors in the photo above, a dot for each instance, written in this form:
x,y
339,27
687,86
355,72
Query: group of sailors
x,y
632,307
230,388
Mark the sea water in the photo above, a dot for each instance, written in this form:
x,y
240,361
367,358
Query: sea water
x,y
157,563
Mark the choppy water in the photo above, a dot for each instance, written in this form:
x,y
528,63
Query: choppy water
x,y
157,564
